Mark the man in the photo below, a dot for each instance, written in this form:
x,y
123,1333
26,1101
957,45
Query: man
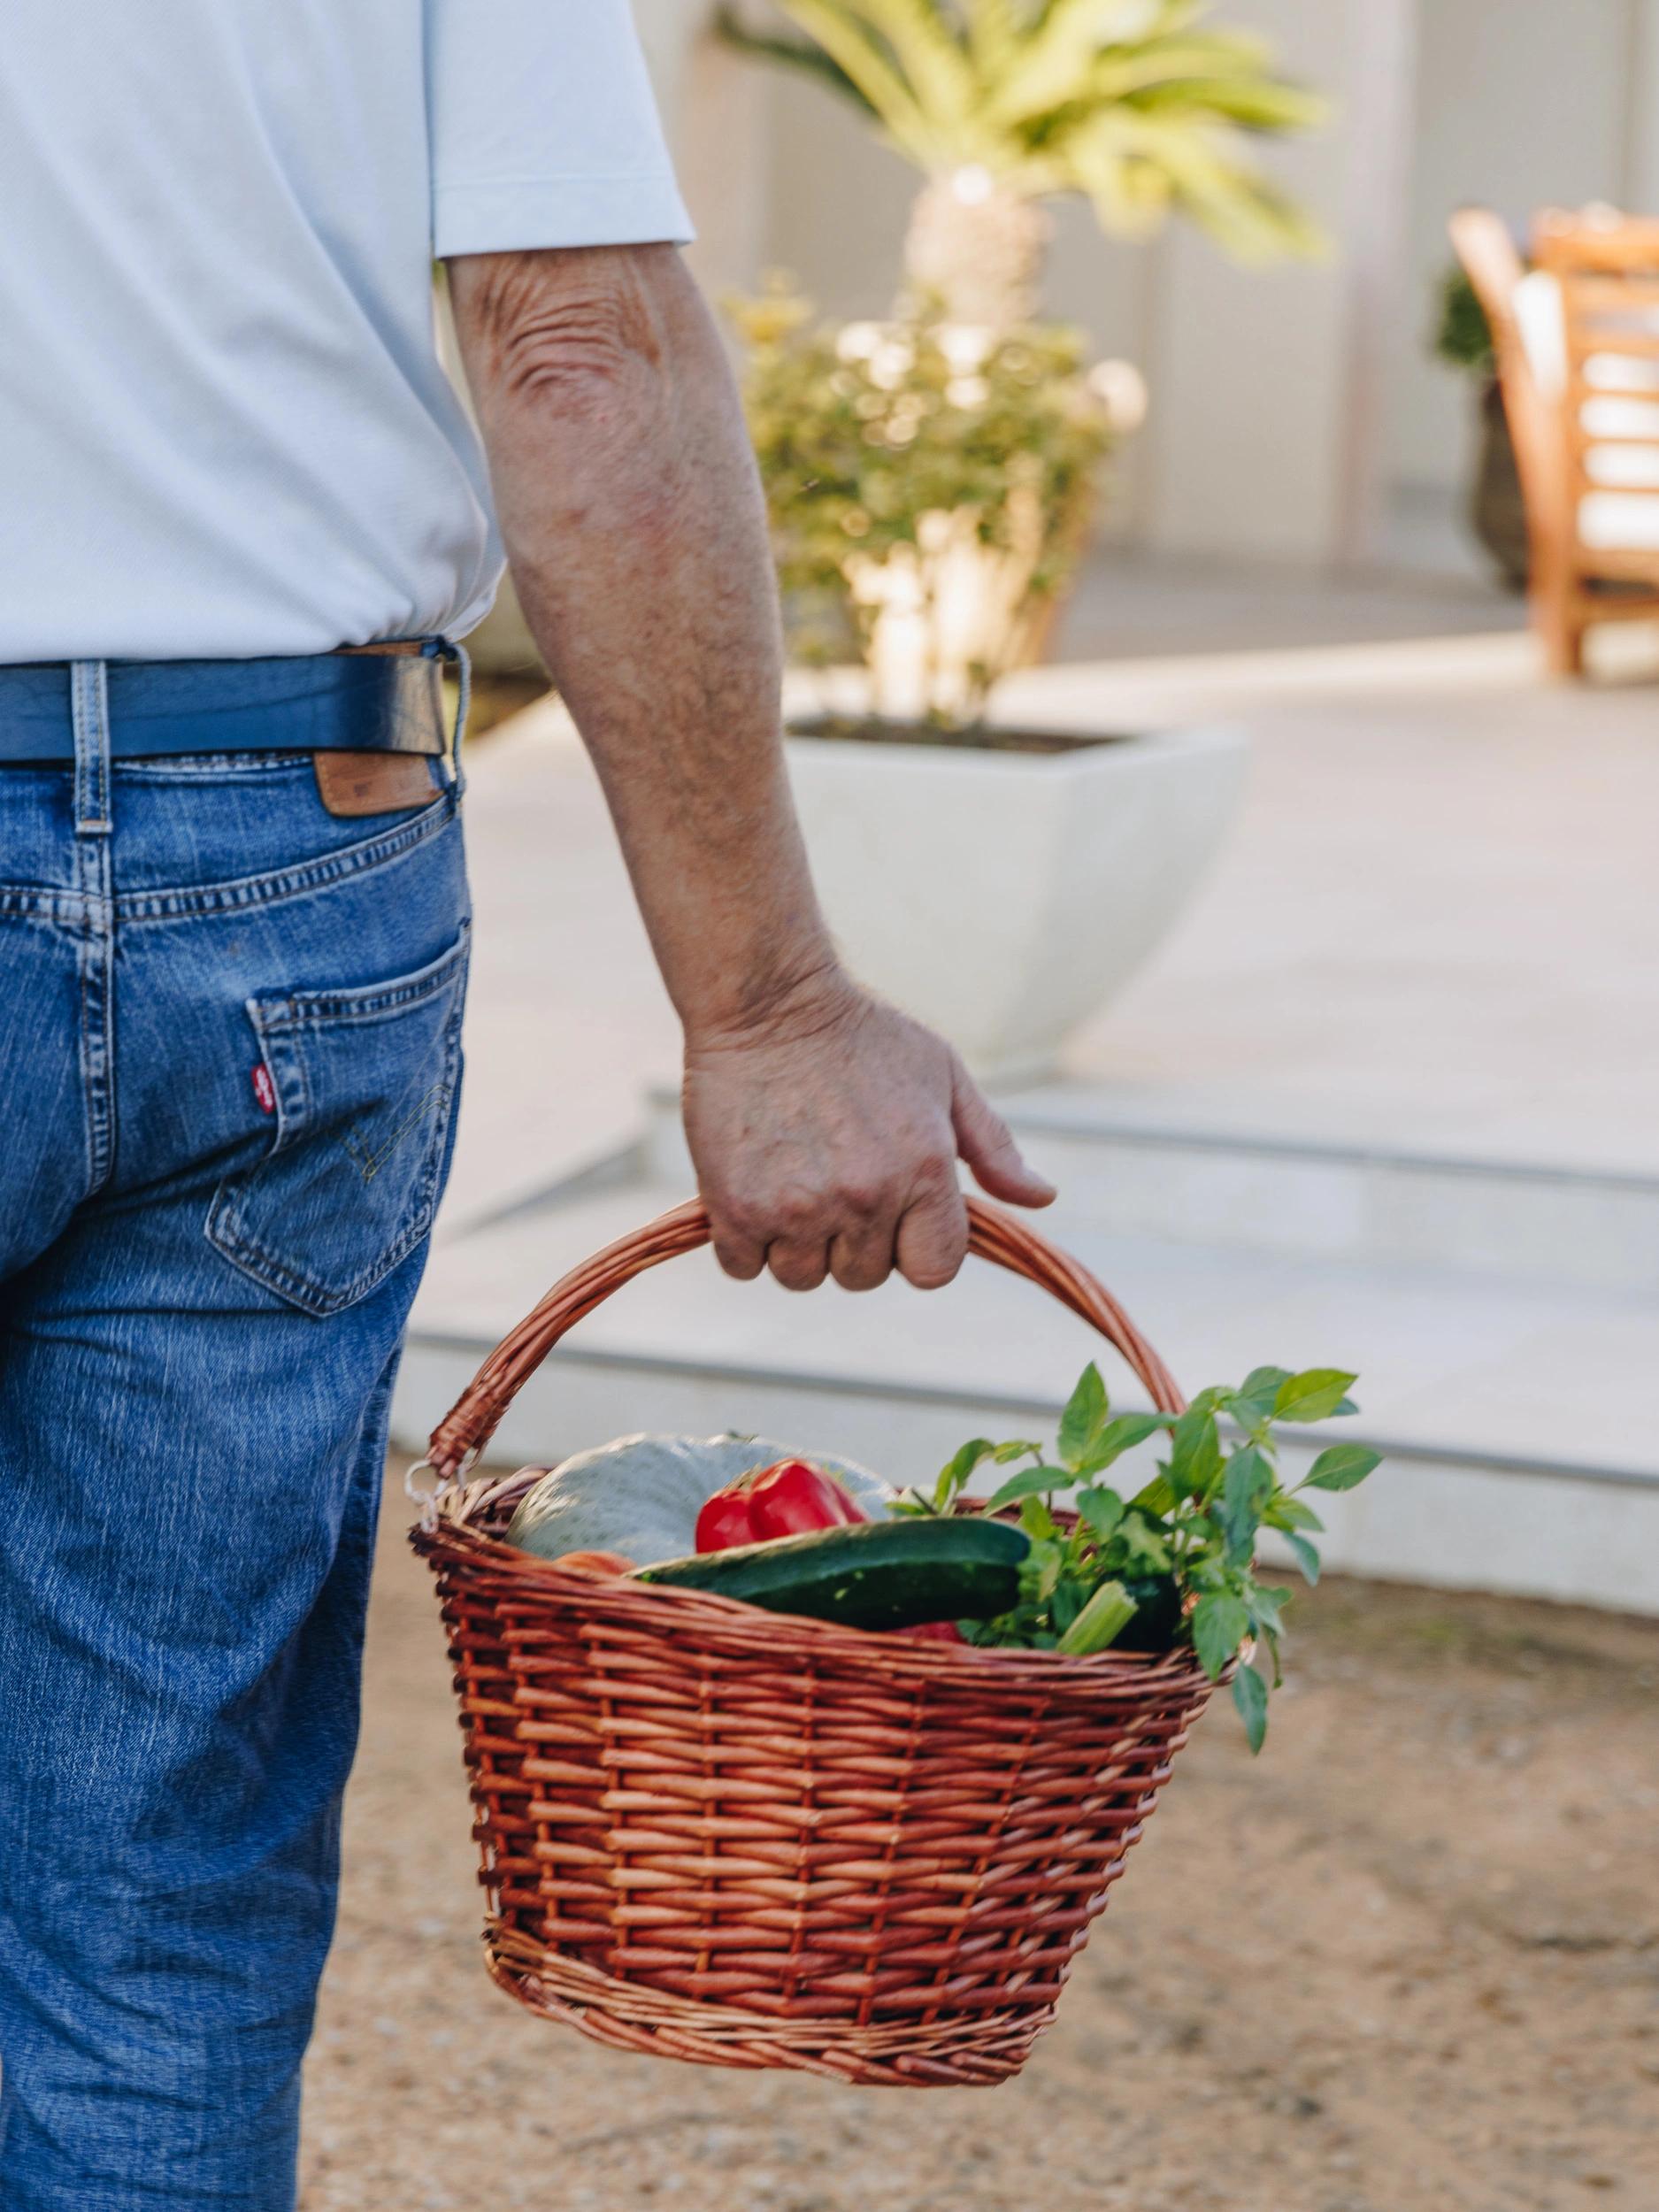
x,y
233,920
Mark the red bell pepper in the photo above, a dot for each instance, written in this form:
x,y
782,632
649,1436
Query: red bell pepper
x,y
793,1498
723,1520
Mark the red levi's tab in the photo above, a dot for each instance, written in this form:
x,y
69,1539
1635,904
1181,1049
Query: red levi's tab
x,y
264,1088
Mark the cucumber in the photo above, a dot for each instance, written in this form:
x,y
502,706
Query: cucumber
x,y
1156,1624
879,1575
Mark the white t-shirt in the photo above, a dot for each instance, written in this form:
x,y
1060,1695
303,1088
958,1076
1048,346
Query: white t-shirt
x,y
224,427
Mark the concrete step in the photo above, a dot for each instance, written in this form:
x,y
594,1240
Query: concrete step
x,y
1276,1191
1509,1409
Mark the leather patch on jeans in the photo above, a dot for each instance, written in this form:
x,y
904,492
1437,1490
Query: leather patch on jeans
x,y
373,783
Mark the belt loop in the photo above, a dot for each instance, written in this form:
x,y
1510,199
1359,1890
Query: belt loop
x,y
90,691
461,660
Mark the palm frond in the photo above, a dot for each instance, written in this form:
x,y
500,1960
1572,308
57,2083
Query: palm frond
x,y
928,42
790,53
918,38
843,30
993,29
1240,209
1268,106
1229,71
1121,69
1058,52
1131,197
1135,102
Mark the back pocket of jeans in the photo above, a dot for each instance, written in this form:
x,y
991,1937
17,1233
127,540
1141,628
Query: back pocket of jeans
x,y
362,1085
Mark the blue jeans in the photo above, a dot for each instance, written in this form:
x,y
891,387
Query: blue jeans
x,y
230,1058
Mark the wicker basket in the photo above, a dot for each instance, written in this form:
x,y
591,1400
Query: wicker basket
x,y
718,1834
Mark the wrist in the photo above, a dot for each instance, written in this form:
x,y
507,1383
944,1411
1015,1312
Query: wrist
x,y
783,1003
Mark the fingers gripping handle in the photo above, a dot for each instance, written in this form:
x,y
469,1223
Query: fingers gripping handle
x,y
992,1234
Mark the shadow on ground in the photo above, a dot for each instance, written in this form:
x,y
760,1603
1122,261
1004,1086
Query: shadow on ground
x,y
1408,1962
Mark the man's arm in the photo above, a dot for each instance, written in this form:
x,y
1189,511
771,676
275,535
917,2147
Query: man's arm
x,y
825,1126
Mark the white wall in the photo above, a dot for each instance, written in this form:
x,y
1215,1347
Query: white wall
x,y
1251,367
1520,103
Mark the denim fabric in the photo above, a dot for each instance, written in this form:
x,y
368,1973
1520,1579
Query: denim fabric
x,y
229,1056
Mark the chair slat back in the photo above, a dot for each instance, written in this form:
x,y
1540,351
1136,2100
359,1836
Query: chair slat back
x,y
1605,268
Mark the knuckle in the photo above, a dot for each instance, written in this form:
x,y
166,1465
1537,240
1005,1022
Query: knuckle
x,y
935,1271
740,1219
936,1177
769,1215
867,1272
863,1196
737,1256
992,1129
932,1251
792,1212
727,1223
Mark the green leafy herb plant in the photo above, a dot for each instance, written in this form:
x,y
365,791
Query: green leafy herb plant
x,y
1174,1562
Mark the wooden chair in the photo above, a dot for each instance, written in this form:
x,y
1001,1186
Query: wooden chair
x,y
1577,342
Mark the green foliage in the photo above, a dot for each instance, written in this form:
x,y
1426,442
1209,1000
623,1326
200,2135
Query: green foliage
x,y
867,433
1344,1467
1197,1521
1135,104
1249,1694
1462,336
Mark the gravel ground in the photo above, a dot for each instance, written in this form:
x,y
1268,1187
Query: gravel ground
x,y
1407,1962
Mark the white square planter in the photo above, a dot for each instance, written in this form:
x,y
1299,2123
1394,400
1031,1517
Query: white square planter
x,y
1003,897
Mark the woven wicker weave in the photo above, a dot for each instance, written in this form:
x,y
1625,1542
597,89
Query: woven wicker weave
x,y
718,1834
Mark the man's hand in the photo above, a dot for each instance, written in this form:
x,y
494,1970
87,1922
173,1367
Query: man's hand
x,y
826,1140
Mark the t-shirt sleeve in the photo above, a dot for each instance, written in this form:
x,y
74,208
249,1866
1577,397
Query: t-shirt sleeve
x,y
544,129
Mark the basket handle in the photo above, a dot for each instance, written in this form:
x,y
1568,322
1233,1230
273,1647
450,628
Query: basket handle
x,y
993,1235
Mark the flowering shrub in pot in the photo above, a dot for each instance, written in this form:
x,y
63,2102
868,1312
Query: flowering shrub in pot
x,y
930,484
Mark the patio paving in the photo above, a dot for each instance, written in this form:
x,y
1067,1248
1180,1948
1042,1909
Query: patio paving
x,y
1436,926
1129,603
1390,1094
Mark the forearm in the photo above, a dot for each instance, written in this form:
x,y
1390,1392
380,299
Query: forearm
x,y
825,1127
629,503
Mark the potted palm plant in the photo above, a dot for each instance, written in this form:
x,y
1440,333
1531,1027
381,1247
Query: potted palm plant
x,y
932,476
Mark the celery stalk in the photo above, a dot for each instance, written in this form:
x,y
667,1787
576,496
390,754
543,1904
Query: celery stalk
x,y
1102,1621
